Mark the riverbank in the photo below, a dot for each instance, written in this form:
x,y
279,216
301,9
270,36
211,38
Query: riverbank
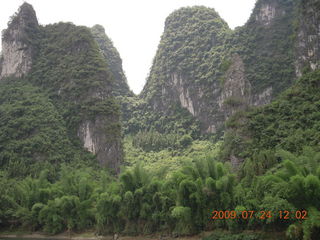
x,y
92,236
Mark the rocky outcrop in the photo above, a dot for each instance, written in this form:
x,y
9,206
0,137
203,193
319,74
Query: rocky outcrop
x,y
1,60
17,46
266,13
181,60
182,92
107,148
201,65
112,56
308,37
262,98
236,90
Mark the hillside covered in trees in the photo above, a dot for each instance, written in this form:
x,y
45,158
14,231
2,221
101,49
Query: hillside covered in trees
x,y
223,139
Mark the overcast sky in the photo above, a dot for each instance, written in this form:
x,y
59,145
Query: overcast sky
x,y
135,26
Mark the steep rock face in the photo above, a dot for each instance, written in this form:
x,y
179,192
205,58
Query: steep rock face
x,y
112,56
288,123
267,46
72,69
266,14
17,46
266,11
120,88
184,63
106,147
302,21
308,45
212,71
236,90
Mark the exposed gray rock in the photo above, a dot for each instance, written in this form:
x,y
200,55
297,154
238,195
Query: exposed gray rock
x,y
17,58
266,13
95,139
17,46
236,91
262,98
308,37
183,93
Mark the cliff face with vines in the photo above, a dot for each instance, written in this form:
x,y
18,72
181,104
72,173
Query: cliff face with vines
x,y
212,71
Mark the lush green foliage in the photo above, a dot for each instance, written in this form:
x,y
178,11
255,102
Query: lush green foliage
x,y
120,85
71,70
138,202
138,116
279,143
290,122
33,133
155,141
268,51
142,201
294,184
197,49
69,83
170,159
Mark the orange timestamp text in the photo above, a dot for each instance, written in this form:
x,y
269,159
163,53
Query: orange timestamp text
x,y
247,214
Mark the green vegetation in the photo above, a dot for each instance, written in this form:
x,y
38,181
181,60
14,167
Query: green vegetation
x,y
279,144
111,55
173,177
198,48
138,202
180,199
70,68
144,201
167,160
268,51
33,133
188,57
155,141
289,123
68,86
40,114
138,116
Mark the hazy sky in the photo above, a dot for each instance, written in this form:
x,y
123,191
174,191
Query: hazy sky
x,y
135,26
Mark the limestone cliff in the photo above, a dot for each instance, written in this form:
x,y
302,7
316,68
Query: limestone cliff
x,y
183,69
213,72
65,62
308,36
292,53
17,45
99,140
